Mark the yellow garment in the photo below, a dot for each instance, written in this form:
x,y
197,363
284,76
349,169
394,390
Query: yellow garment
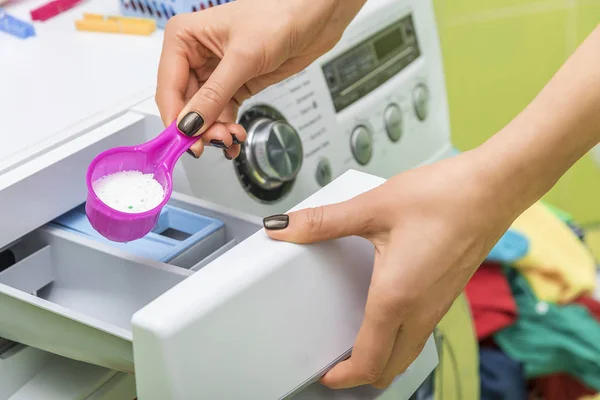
x,y
558,266
592,397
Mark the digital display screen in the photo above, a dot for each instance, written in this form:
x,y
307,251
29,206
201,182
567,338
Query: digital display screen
x,y
369,64
388,43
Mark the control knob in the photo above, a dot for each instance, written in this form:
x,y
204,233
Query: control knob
x,y
274,152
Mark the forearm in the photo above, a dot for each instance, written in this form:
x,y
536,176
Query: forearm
x,y
560,125
346,10
338,13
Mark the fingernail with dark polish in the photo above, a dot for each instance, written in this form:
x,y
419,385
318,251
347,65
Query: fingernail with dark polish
x,y
236,140
191,124
218,144
227,155
191,153
276,222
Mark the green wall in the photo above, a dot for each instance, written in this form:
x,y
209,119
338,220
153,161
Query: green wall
x,y
498,54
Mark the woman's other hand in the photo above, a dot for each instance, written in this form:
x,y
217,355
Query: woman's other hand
x,y
431,228
434,225
215,59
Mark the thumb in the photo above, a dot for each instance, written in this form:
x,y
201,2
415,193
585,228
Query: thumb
x,y
355,217
210,100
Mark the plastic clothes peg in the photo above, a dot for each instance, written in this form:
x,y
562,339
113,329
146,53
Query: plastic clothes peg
x,y
52,9
14,26
116,24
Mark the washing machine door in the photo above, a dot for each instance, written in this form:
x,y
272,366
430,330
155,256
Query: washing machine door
x,y
266,320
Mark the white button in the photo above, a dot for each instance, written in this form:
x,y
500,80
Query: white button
x,y
542,308
361,145
393,122
421,101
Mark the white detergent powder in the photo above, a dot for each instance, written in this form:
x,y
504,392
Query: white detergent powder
x,y
129,191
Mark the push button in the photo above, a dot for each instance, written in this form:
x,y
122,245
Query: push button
x,y
362,145
421,101
323,174
393,122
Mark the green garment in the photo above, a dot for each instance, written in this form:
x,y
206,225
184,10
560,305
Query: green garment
x,y
560,214
549,338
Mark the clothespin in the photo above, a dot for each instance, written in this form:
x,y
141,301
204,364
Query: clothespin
x,y
116,24
14,26
52,9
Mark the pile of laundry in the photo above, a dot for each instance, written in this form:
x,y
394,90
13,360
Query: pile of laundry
x,y
535,316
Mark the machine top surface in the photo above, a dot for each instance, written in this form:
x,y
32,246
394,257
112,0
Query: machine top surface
x,y
56,85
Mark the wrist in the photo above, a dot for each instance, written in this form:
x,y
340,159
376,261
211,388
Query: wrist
x,y
520,166
494,185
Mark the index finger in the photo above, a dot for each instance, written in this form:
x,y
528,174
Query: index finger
x,y
173,76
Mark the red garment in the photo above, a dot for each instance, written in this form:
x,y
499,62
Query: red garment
x,y
491,300
592,305
560,387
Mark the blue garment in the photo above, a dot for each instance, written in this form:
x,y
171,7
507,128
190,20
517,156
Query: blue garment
x,y
511,247
501,377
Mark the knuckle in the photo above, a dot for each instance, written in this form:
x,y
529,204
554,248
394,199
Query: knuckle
x,y
371,376
212,93
252,54
314,219
389,303
246,52
404,301
173,24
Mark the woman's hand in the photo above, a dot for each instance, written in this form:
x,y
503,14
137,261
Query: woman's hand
x,y
434,225
431,227
215,59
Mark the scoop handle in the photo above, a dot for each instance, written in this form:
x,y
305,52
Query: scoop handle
x,y
167,147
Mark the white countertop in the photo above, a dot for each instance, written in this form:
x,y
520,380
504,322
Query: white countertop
x,y
62,82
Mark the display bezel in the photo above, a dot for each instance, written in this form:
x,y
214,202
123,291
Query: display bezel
x,y
364,67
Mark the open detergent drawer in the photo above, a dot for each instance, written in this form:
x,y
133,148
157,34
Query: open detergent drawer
x,y
74,295
254,319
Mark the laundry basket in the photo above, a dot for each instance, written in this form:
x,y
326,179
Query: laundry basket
x,y
162,10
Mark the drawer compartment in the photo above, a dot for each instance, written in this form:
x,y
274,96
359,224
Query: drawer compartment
x,y
73,295
180,237
69,291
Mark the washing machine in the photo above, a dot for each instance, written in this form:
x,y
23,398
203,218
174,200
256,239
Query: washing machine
x,y
375,103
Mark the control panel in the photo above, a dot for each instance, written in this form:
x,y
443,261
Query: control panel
x,y
375,103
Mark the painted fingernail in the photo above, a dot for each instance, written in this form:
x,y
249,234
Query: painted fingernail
x,y
218,144
191,153
191,124
276,222
227,155
236,140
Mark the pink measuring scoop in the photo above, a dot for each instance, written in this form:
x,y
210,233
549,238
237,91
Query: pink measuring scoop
x,y
157,157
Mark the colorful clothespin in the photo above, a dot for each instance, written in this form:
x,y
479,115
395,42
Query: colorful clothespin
x,y
116,24
14,26
52,9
